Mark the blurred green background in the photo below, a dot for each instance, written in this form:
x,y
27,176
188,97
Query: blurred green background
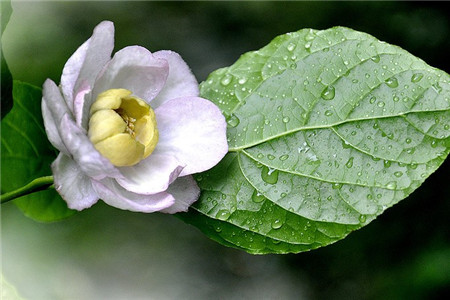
x,y
106,253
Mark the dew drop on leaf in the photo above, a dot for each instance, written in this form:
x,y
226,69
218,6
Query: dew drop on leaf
x,y
398,174
233,121
416,77
269,175
328,93
284,157
349,163
223,214
257,197
392,82
225,80
276,224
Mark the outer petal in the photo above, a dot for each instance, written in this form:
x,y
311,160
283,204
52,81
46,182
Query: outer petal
x,y
136,69
152,175
80,110
185,191
194,131
114,195
53,109
73,186
180,82
87,62
90,161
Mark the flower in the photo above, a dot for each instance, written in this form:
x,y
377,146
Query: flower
x,y
130,129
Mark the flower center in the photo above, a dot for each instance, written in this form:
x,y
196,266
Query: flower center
x,y
122,127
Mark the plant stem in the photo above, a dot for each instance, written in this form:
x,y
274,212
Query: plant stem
x,y
36,185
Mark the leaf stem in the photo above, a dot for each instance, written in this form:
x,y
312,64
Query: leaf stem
x,y
36,185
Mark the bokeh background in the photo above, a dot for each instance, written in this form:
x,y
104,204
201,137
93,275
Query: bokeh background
x,y
106,253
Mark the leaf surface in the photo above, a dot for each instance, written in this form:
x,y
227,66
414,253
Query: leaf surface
x,y
27,154
326,130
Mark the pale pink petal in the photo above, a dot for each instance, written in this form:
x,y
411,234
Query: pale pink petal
x,y
53,109
87,62
80,110
71,183
185,191
193,130
90,161
180,82
115,195
152,175
135,69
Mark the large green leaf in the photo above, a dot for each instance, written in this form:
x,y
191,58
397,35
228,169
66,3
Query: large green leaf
x,y
6,77
327,129
26,154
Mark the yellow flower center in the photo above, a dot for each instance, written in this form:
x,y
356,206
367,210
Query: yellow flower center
x,y
122,127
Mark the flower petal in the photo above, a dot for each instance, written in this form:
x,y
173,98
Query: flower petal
x,y
115,195
91,162
73,186
180,82
87,62
152,175
80,110
185,191
136,69
194,131
53,109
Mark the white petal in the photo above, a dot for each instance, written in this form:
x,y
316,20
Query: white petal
x,y
80,110
87,62
185,191
180,82
53,109
115,195
194,131
89,160
73,186
152,175
135,69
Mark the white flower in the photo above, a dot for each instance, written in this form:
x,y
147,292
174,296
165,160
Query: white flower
x,y
148,130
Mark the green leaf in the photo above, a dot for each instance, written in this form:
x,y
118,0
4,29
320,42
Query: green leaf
x,y
6,77
27,154
326,130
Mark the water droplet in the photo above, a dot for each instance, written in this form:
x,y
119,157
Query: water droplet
x,y
284,157
260,155
375,58
242,80
223,214
276,224
392,82
408,140
293,66
291,46
328,113
233,121
269,175
387,163
362,218
434,144
286,119
349,163
396,99
308,45
270,157
372,99
369,196
226,80
328,93
381,104
257,197
416,77
336,186
279,108
392,185
355,80
398,174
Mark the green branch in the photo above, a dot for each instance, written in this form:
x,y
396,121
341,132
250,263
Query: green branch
x,y
36,185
